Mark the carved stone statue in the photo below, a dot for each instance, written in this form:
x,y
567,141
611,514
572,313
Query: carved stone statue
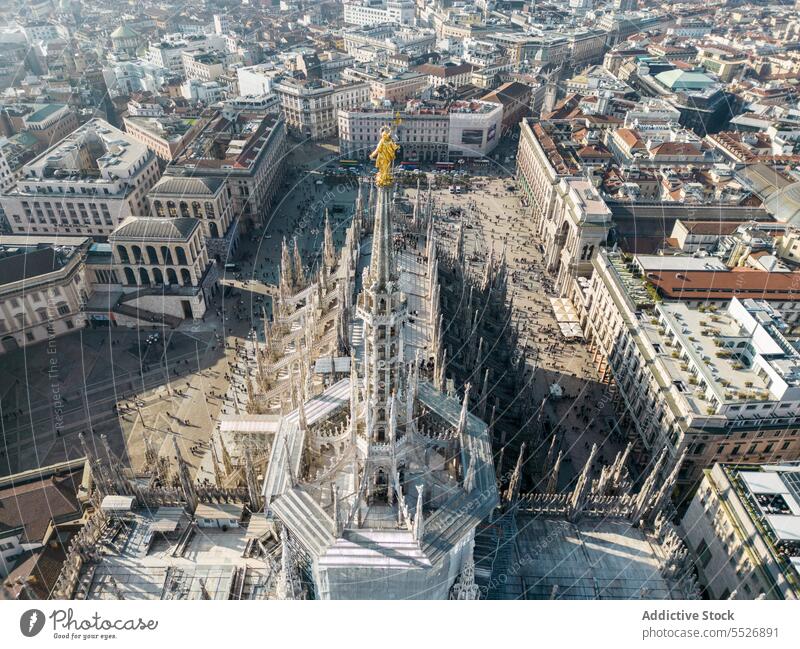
x,y
384,155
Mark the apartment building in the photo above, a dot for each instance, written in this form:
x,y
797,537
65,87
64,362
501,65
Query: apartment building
x,y
165,136
311,106
202,65
256,80
423,131
33,504
452,74
371,12
426,130
168,53
49,123
721,382
743,526
382,42
86,184
7,173
541,164
387,84
515,98
43,287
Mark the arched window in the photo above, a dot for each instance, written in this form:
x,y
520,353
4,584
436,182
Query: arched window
x,y
122,251
196,210
181,256
158,278
144,276
152,256
173,212
184,209
172,277
137,254
166,254
130,278
159,207
214,230
210,214
186,277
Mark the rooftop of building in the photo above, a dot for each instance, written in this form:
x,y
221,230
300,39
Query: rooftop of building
x,y
41,113
721,284
732,356
591,207
434,107
124,31
714,356
18,149
508,93
23,259
170,128
29,502
561,149
661,263
151,228
182,186
770,495
94,150
228,143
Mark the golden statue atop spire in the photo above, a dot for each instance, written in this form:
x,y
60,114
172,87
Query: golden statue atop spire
x,y
384,155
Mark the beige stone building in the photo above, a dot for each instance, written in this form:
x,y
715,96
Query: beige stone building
x,y
311,106
202,65
43,288
427,131
85,185
247,151
743,526
207,199
165,136
720,382
387,84
164,266
578,226
566,209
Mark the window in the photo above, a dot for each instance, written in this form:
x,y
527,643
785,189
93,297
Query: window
x,y
703,553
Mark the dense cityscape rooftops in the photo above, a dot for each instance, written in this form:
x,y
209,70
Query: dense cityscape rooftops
x,y
401,292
